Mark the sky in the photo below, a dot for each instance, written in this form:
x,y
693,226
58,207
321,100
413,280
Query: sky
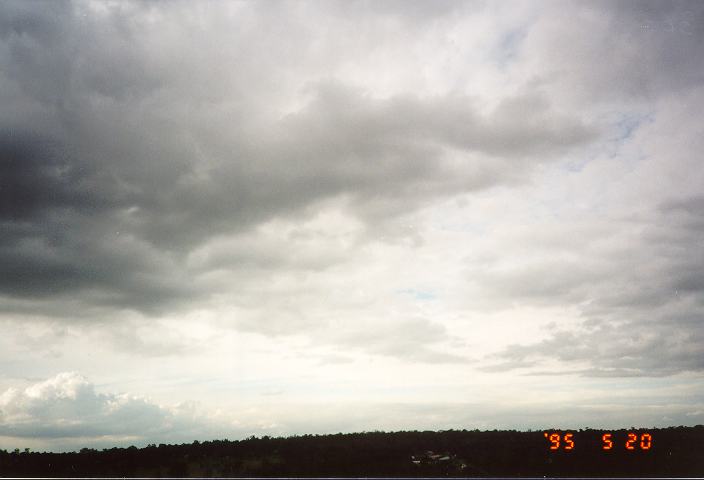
x,y
221,219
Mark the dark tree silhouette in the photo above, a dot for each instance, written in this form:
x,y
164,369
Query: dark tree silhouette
x,y
671,452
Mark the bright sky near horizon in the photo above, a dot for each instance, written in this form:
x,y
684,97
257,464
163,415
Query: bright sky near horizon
x,y
221,219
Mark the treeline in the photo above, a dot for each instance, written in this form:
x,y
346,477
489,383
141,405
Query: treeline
x,y
675,451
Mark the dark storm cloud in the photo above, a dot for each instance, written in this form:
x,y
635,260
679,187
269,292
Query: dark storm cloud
x,y
36,177
58,237
122,148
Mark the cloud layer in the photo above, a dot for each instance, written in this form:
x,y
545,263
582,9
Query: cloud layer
x,y
431,198
66,413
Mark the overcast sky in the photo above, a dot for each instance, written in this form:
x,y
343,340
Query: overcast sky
x,y
223,219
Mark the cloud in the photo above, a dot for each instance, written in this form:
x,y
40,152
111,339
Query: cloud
x,y
67,405
639,297
410,339
66,411
249,189
124,164
615,53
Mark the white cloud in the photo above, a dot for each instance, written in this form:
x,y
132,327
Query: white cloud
x,y
67,410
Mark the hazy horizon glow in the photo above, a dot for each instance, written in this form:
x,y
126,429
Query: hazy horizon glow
x,y
224,219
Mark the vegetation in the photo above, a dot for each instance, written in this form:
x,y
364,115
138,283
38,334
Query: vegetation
x,y
675,451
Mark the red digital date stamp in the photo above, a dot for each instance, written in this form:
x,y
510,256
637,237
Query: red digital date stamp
x,y
566,441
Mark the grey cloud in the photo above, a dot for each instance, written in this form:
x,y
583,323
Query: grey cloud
x,y
64,257
642,305
413,339
414,11
36,176
613,51
614,351
124,336
127,150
